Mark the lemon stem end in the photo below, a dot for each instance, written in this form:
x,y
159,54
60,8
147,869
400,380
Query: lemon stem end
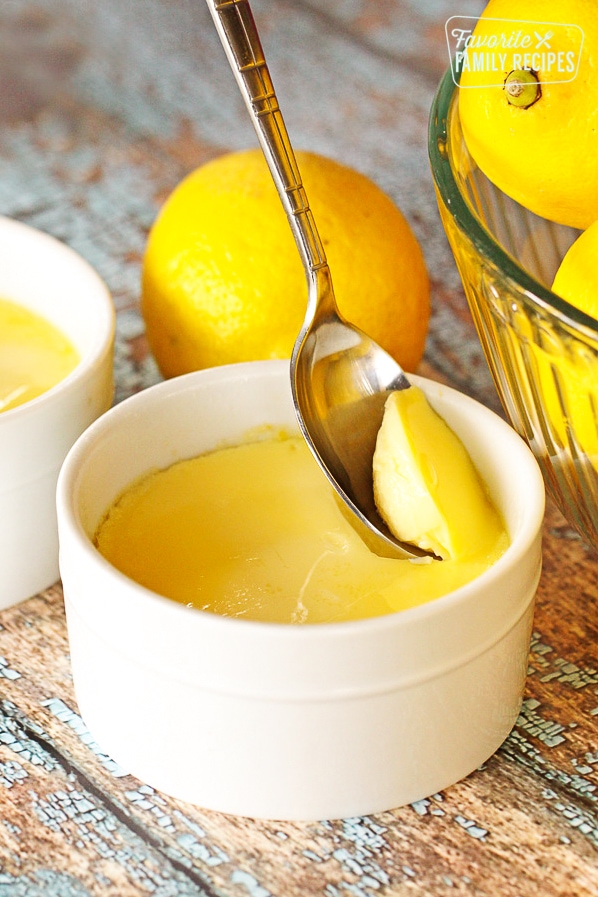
x,y
522,88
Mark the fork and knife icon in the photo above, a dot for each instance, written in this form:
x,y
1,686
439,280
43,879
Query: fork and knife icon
x,y
543,41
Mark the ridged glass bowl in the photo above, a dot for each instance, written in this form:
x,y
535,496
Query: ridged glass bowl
x,y
542,352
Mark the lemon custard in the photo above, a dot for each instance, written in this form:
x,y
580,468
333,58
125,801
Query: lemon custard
x,y
426,486
254,531
34,355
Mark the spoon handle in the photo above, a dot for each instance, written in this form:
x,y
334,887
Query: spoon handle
x,y
238,33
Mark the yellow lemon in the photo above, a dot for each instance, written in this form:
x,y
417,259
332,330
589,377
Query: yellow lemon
x,y
577,277
529,110
567,370
222,277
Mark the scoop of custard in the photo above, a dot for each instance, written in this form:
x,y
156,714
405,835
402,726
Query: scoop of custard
x,y
425,484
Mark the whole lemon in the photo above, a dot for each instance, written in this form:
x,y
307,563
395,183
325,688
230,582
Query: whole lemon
x,y
567,369
222,277
577,277
533,130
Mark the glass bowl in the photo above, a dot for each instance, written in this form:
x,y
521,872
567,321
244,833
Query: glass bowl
x,y
542,352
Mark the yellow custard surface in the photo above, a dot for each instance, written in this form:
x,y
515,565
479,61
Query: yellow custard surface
x,y
34,355
255,532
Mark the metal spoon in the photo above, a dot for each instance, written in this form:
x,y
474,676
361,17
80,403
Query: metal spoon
x,y
340,378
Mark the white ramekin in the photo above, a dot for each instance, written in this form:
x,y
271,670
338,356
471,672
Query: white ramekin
x,y
46,276
277,721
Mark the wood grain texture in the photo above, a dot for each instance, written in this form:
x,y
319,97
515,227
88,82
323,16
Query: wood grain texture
x,y
104,108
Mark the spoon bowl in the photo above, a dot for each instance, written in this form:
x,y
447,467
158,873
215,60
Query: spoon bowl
x,y
340,378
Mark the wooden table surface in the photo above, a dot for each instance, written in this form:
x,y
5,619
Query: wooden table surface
x,y
104,107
